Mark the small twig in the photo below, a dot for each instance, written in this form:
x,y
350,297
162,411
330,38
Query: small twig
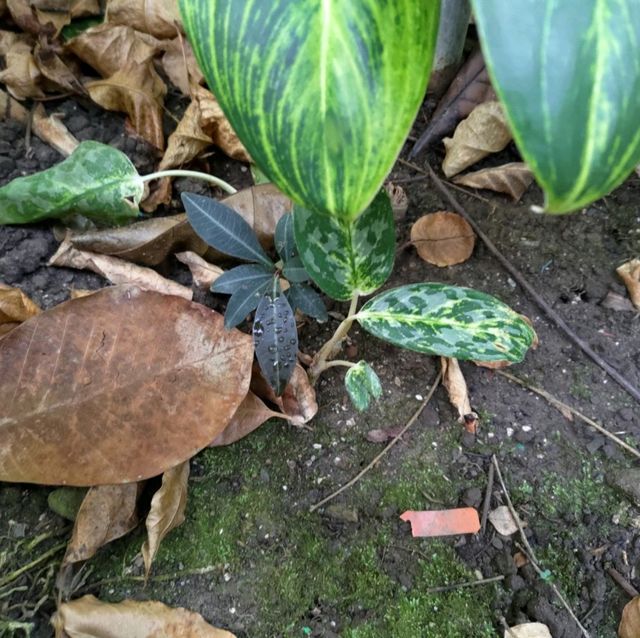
x,y
178,172
410,422
623,582
487,498
199,571
34,563
469,583
560,406
543,305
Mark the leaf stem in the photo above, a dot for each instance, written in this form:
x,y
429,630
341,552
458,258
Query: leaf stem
x,y
339,362
194,174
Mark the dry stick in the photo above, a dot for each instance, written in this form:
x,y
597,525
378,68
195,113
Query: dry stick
x,y
34,563
469,583
560,406
528,552
487,498
544,306
410,422
623,582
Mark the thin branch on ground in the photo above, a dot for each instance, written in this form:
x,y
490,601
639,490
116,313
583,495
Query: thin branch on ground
x,y
560,406
160,578
623,582
5,580
527,550
487,498
373,463
469,583
543,305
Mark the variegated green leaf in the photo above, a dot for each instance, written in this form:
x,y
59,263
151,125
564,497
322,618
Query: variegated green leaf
x,y
96,181
448,321
321,92
568,74
347,257
362,383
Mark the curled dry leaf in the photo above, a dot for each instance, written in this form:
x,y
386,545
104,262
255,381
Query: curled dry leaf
x,y
61,74
167,510
528,630
513,179
20,74
117,271
107,512
630,622
203,273
399,200
503,521
485,131
51,130
159,18
15,307
443,238
453,380
629,272
180,65
91,618
88,397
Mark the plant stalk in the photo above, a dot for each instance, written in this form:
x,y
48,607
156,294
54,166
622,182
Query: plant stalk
x,y
194,174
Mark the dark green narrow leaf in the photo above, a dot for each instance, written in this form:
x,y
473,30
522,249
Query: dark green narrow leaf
x,y
222,228
245,300
347,257
241,276
321,93
96,181
448,321
275,338
308,301
294,271
284,238
568,74
362,383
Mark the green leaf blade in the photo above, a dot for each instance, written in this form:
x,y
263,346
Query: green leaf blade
x,y
449,321
573,106
96,181
345,258
240,277
284,238
308,301
245,300
362,383
308,85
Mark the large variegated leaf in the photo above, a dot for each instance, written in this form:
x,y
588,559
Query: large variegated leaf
x,y
448,321
347,257
321,92
568,74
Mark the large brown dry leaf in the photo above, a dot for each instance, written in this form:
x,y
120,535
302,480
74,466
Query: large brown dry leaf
x,y
470,87
159,18
630,622
24,15
21,74
513,179
629,272
15,307
167,510
107,512
443,238
61,74
88,617
485,131
180,65
117,271
51,130
453,380
116,387
528,630
203,273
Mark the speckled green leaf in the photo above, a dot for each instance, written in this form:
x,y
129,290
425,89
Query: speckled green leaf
x,y
347,257
321,92
568,74
96,181
362,383
448,321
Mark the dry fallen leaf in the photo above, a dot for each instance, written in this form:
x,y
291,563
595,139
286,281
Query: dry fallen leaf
x,y
382,436
463,520
51,130
203,273
117,271
180,65
116,387
107,512
88,617
159,18
453,380
629,272
399,200
630,622
528,630
485,131
15,307
20,74
513,179
443,238
614,301
167,510
503,521
62,75
25,17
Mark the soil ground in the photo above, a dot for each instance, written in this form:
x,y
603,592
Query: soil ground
x,y
252,559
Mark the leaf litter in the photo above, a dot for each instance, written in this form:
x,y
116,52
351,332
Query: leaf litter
x,y
443,238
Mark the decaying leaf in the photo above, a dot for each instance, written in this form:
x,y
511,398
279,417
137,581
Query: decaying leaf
x,y
51,130
513,179
382,436
399,200
116,387
107,512
60,74
614,301
88,617
485,131
503,521
180,65
528,630
470,87
629,272
443,238
20,74
15,307
203,273
117,271
453,380
159,18
463,520
630,622
11,109
167,510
